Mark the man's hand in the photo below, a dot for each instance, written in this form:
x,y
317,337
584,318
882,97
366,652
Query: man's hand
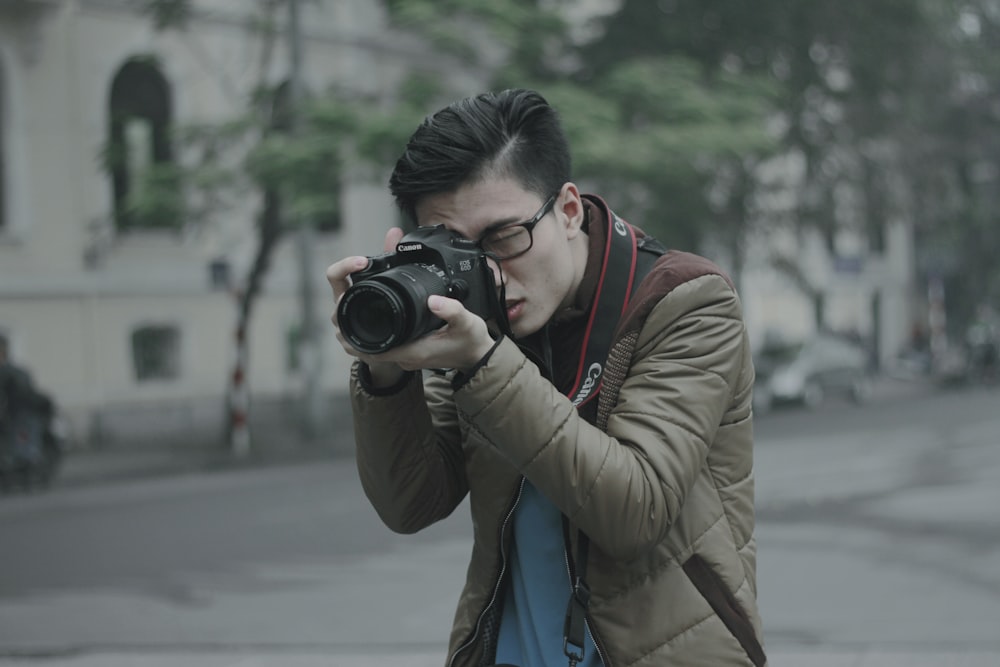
x,y
383,374
459,344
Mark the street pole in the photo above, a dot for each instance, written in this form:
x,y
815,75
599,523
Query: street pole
x,y
310,351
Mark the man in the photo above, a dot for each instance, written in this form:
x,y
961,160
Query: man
x,y
619,479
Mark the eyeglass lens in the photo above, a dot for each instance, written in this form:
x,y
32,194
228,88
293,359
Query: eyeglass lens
x,y
516,239
507,242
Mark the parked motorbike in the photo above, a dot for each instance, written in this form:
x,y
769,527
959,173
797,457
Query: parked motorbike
x,y
31,450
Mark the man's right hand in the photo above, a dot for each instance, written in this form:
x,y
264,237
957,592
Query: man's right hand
x,y
338,274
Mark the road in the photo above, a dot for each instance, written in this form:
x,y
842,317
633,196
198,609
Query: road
x,y
878,534
879,526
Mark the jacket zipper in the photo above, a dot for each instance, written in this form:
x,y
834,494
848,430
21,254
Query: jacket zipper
x,y
499,578
586,618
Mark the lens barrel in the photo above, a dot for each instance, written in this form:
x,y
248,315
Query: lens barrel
x,y
388,309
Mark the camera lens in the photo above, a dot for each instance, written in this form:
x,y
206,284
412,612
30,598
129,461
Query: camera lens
x,y
390,308
377,315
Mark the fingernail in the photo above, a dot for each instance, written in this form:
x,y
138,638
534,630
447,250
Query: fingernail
x,y
434,302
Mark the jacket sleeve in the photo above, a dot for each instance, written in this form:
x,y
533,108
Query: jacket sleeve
x,y
409,452
625,487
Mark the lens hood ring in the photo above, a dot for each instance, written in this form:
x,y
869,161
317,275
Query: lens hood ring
x,y
372,317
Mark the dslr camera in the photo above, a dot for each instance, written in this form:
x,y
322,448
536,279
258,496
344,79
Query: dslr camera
x,y
386,305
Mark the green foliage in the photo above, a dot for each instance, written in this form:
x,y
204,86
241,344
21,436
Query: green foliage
x,y
646,126
894,98
154,202
519,32
308,169
652,130
168,14
650,126
953,154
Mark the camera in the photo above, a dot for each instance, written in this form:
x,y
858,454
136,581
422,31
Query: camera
x,y
386,304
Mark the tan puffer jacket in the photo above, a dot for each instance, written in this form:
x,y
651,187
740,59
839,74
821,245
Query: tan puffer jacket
x,y
664,491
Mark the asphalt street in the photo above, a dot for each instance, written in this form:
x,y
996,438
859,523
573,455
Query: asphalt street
x,y
878,535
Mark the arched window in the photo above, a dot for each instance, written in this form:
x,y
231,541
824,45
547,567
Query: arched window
x,y
139,136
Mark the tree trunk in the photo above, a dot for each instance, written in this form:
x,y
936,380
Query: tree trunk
x,y
238,436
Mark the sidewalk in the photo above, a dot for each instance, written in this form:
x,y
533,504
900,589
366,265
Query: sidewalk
x,y
82,467
123,463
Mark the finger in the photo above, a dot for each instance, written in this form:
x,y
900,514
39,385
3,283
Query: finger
x,y
348,348
392,238
450,310
337,274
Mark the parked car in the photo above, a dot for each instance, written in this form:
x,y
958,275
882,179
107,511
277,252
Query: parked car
x,y
806,373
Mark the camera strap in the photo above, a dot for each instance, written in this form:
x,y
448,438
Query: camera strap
x,y
626,262
614,287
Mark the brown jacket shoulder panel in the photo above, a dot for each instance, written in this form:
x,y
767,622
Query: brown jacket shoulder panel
x,y
673,269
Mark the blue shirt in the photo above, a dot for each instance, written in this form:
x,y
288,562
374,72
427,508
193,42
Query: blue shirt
x,y
538,590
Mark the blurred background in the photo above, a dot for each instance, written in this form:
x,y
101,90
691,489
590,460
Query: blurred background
x,y
175,176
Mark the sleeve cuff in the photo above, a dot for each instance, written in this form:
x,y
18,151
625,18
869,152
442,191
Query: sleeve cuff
x,y
460,379
365,380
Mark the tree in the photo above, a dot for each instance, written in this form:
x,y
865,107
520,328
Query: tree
x,y
257,138
648,126
842,73
283,151
952,157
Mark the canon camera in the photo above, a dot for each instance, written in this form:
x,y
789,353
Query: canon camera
x,y
386,305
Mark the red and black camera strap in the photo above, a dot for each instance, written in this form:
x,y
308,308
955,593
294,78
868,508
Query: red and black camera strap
x,y
614,288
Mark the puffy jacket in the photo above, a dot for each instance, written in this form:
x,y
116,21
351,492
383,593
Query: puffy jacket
x,y
662,485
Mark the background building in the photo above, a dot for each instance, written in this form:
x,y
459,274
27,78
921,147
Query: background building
x,y
129,323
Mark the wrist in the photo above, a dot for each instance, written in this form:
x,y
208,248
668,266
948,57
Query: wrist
x,y
382,387
478,356
465,374
382,374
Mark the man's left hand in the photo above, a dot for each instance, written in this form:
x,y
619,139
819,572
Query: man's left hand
x,y
459,344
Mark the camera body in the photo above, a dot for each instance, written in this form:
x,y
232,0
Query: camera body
x,y
386,305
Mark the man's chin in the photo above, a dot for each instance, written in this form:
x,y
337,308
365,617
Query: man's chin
x,y
521,330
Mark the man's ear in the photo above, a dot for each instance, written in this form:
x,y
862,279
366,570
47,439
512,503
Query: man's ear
x,y
570,204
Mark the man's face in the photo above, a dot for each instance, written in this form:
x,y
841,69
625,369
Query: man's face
x,y
543,280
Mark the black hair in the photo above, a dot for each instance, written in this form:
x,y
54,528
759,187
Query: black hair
x,y
509,134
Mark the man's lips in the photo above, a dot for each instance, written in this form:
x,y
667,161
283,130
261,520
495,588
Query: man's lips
x,y
514,308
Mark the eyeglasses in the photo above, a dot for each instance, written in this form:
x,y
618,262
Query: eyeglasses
x,y
515,239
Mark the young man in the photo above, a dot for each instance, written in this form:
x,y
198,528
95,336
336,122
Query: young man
x,y
606,457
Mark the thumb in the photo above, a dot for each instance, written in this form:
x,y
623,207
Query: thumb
x,y
446,309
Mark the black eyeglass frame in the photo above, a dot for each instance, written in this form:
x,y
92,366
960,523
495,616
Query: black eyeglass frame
x,y
529,226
